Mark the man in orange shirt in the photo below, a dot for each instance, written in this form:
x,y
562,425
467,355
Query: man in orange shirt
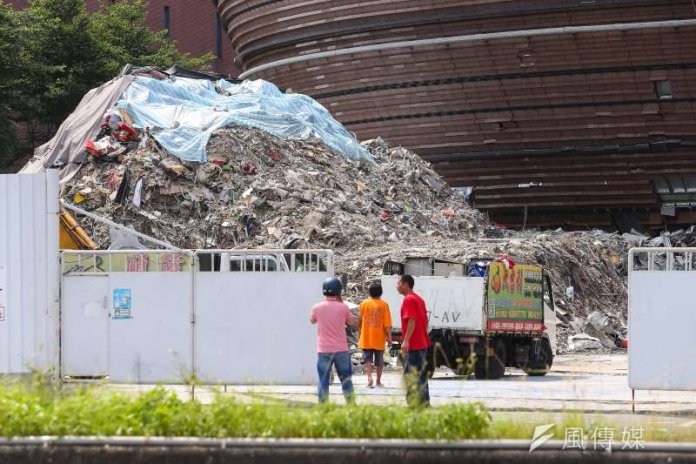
x,y
375,330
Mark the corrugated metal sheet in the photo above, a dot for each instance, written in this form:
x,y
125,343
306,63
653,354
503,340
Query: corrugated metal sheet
x,y
29,272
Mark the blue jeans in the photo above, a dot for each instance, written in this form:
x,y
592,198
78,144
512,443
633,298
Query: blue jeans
x,y
416,376
344,368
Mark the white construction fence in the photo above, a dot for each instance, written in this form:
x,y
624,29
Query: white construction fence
x,y
220,316
223,316
662,318
29,272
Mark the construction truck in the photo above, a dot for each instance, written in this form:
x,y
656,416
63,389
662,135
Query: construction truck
x,y
483,316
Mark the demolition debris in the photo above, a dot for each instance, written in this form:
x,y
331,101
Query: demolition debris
x,y
260,190
239,186
589,263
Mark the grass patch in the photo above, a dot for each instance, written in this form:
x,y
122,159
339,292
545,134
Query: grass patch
x,y
37,409
598,428
40,410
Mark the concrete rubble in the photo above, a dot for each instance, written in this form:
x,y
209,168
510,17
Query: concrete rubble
x,y
257,190
590,262
679,238
583,342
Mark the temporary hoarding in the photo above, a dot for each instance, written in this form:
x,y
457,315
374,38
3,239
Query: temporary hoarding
x,y
127,315
29,272
156,316
3,292
661,319
253,327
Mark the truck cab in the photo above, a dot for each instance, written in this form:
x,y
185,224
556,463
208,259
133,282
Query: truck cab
x,y
483,316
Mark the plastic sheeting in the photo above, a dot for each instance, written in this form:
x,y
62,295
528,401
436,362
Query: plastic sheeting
x,y
183,113
66,150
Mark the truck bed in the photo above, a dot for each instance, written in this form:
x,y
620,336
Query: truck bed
x,y
452,302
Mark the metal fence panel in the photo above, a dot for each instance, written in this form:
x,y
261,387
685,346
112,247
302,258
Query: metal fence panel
x,y
661,319
128,316
253,326
29,272
225,316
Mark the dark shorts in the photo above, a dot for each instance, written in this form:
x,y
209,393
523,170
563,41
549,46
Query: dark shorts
x,y
375,357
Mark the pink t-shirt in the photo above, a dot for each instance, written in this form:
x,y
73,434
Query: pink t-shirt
x,y
331,317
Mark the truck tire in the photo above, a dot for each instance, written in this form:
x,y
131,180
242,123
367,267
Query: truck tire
x,y
492,367
540,364
461,368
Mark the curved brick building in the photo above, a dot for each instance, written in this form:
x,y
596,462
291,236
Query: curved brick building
x,y
558,112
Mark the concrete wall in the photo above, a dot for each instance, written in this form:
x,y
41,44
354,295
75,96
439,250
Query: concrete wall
x,y
185,451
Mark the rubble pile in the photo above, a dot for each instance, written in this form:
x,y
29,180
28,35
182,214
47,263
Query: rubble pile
x,y
586,268
598,331
679,238
260,190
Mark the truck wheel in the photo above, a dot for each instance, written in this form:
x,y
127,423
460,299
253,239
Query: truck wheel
x,y
492,367
540,364
461,368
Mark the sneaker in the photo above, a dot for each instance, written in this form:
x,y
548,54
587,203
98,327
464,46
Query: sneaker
x,y
380,385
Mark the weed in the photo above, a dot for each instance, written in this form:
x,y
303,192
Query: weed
x,y
39,410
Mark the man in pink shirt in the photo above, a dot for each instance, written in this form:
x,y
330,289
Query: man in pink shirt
x,y
331,317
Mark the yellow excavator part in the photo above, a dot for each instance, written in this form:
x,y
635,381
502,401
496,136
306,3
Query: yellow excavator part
x,y
72,235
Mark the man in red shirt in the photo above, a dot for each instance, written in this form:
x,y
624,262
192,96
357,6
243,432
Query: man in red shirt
x,y
414,325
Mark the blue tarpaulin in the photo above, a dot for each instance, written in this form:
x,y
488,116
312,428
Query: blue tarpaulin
x,y
183,113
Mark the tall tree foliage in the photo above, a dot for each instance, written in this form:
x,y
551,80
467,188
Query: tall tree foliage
x,y
54,51
9,65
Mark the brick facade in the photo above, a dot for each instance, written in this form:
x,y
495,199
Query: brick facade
x,y
192,24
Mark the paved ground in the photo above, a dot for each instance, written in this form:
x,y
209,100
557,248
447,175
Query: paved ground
x,y
588,383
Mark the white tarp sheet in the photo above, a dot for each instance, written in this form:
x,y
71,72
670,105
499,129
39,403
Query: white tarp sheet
x,y
183,113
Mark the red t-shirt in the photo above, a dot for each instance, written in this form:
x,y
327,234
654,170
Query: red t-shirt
x,y
413,307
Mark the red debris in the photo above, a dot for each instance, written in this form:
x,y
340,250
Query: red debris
x,y
506,260
125,133
249,169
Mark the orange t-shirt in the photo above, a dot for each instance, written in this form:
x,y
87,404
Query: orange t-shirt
x,y
376,318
